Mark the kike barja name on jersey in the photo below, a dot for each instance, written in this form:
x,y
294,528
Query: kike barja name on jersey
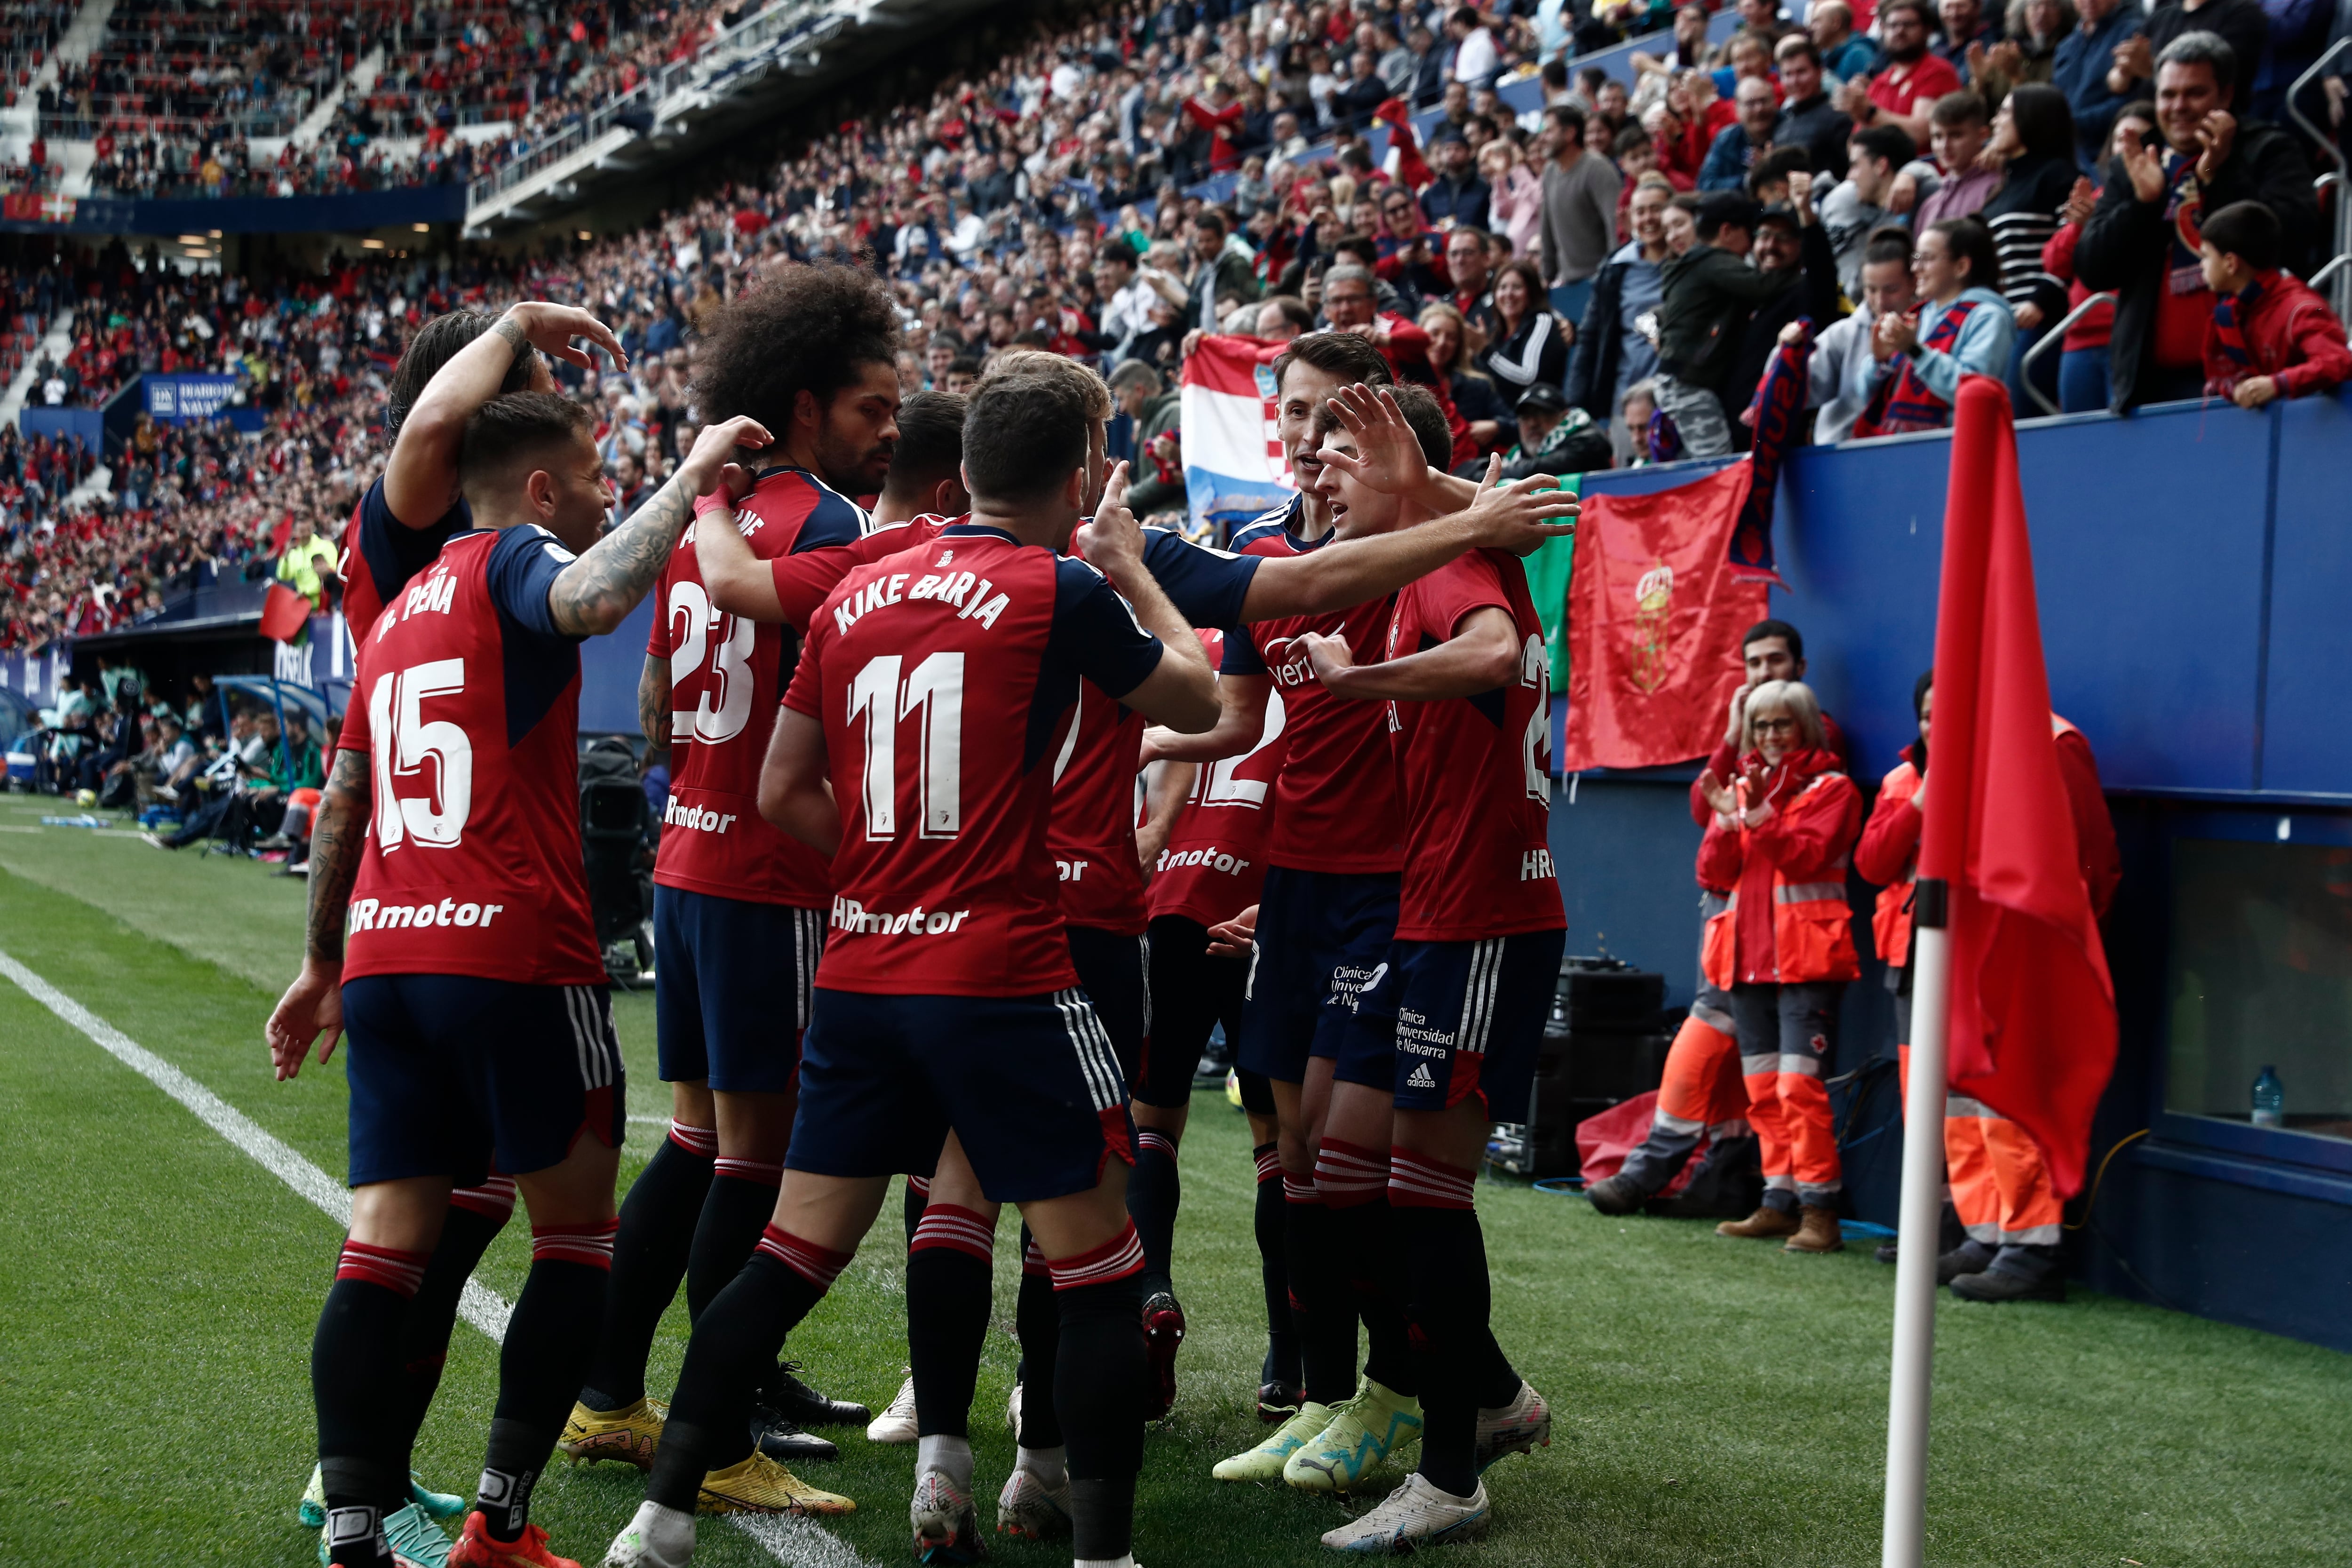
x,y
945,677
975,597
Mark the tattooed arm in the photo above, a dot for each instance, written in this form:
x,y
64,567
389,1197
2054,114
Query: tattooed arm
x,y
420,480
653,702
312,1008
596,593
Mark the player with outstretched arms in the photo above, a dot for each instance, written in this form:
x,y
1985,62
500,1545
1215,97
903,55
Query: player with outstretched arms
x,y
450,934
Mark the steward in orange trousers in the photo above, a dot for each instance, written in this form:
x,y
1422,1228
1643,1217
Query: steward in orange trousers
x,y
1999,1185
1702,1094
1783,949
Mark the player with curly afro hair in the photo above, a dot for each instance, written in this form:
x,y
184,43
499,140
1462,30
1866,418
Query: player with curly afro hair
x,y
812,354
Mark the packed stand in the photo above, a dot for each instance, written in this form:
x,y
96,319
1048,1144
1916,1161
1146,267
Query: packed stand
x,y
539,70
310,354
1613,285
29,33
247,67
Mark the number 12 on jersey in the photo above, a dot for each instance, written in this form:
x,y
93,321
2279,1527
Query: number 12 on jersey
x,y
885,701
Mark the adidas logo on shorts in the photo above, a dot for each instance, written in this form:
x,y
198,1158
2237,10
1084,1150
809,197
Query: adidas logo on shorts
x,y
1421,1077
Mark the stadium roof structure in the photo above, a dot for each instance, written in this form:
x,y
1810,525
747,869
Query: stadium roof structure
x,y
764,66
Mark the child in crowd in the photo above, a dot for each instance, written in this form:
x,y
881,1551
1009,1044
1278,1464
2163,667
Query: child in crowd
x,y
2271,336
1958,131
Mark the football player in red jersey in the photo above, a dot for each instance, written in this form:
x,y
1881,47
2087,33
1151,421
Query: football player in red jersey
x,y
454,364
1093,835
1465,989
923,490
450,932
914,746
1095,847
1205,877
926,478
739,909
1327,916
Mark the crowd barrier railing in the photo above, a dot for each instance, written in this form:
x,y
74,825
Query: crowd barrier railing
x,y
2332,184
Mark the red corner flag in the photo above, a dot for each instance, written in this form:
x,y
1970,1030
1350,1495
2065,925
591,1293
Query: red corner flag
x,y
2032,1007
284,614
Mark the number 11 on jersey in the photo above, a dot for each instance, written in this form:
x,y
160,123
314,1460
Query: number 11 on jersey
x,y
879,696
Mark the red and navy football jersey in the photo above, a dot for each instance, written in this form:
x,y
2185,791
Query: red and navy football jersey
x,y
726,674
466,703
1093,831
944,678
1215,863
1474,772
805,581
1336,799
380,554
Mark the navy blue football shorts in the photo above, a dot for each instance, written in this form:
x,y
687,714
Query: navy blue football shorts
x,y
1111,973
1322,937
732,982
456,1076
1468,1019
1030,1085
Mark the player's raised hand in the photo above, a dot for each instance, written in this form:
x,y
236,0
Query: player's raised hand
x,y
714,453
1520,516
1388,455
311,1009
550,329
1114,539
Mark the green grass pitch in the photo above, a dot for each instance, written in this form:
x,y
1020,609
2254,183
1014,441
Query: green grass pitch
x,y
1717,1403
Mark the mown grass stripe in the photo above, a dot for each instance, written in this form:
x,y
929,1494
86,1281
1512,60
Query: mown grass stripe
x,y
801,1542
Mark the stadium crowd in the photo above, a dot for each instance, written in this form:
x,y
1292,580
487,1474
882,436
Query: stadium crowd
x,y
308,356
1608,282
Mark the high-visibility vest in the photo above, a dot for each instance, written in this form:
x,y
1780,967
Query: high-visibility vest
x,y
1890,921
1812,927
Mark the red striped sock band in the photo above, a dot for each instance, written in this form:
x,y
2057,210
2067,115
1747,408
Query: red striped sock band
x,y
401,1272
702,1140
751,1171
1299,1190
956,1229
1348,1174
494,1199
1418,1181
1269,1162
920,1184
820,1266
1120,1258
1152,1139
1033,1260
588,1244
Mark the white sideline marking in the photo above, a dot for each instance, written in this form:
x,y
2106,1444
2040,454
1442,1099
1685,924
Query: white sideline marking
x,y
790,1540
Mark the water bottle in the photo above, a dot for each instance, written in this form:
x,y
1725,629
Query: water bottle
x,y
2269,1098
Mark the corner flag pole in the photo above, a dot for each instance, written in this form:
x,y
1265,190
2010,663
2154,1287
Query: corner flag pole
x,y
1920,1227
1980,423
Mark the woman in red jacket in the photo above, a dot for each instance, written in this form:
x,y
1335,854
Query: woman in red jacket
x,y
1783,948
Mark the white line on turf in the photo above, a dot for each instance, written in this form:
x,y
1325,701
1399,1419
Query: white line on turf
x,y
799,1542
